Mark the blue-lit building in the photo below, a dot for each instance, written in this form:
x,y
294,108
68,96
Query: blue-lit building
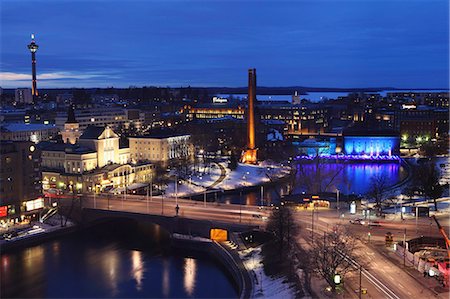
x,y
373,143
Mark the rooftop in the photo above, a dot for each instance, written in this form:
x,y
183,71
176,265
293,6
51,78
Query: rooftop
x,y
21,127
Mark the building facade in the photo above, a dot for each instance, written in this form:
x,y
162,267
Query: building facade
x,y
24,96
20,179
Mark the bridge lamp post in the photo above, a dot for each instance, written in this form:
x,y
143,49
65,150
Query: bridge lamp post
x,y
146,199
240,205
176,189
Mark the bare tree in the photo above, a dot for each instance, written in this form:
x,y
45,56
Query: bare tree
x,y
319,176
426,180
331,254
378,191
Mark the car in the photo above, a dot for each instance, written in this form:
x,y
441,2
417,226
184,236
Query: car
x,y
357,221
374,223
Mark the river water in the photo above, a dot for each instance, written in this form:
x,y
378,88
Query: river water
x,y
349,178
116,260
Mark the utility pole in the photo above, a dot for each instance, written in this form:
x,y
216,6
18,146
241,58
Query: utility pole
x,y
404,248
240,205
147,199
262,195
95,202
176,189
337,202
204,198
312,226
360,281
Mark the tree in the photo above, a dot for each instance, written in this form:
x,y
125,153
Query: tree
x,y
331,254
426,178
319,176
278,253
378,191
233,161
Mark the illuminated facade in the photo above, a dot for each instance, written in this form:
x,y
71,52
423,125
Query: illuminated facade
x,y
71,132
371,143
160,148
249,155
33,48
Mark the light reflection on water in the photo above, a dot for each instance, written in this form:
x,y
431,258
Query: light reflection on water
x,y
92,265
190,272
137,268
351,178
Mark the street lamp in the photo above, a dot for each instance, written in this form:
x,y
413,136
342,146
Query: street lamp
x,y
337,201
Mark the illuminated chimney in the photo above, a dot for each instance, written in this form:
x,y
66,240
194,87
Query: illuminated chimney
x,y
249,155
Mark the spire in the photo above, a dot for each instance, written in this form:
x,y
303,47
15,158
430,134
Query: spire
x,y
71,115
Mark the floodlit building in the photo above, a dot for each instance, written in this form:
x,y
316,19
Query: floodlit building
x,y
96,162
160,147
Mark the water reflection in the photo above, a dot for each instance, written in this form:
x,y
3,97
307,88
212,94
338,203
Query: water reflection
x,y
137,268
96,263
166,278
190,272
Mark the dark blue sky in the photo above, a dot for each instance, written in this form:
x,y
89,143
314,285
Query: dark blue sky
x,y
358,43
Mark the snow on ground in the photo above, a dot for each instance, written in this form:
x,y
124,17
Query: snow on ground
x,y
265,286
220,177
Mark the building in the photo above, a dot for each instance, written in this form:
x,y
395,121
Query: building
x,y
160,147
371,143
215,110
296,99
421,123
24,95
27,132
20,179
71,132
96,162
108,116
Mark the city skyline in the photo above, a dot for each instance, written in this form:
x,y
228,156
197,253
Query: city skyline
x,y
389,44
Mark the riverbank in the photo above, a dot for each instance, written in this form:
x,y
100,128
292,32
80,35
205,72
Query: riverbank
x,y
48,234
220,179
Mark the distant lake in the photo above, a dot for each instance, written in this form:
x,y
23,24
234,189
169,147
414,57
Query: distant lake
x,y
318,96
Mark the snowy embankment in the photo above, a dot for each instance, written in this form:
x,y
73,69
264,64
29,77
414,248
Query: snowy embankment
x,y
265,286
220,177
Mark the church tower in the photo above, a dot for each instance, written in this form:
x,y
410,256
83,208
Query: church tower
x,y
71,132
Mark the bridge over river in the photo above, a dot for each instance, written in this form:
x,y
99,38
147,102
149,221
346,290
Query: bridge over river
x,y
194,217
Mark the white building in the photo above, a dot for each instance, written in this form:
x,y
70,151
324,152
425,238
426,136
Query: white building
x,y
23,95
107,116
27,132
160,148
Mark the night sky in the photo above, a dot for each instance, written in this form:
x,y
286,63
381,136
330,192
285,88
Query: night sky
x,y
365,43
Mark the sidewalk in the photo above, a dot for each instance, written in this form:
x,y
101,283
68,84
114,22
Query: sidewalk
x,y
427,282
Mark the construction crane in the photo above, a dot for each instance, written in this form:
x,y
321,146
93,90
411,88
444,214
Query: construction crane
x,y
445,267
442,231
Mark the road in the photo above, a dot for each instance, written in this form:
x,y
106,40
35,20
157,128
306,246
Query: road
x,y
157,205
381,277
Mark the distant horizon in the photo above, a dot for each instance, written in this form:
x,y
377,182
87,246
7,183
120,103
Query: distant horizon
x,y
304,88
213,43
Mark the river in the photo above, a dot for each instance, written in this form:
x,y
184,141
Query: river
x,y
114,260
349,178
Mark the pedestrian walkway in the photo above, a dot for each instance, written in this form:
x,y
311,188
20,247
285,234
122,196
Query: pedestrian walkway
x,y
223,175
